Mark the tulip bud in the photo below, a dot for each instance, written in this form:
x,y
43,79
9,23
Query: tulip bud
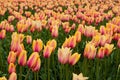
x,y
22,58
101,52
37,65
37,45
52,43
11,57
47,51
2,34
108,48
11,68
78,36
73,59
13,76
32,59
28,39
72,41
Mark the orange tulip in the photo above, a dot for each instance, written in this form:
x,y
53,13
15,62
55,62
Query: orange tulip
x,y
2,34
28,39
101,52
52,43
90,51
37,45
78,36
22,58
37,65
11,68
32,59
74,58
89,31
55,31
108,48
72,42
63,55
13,76
47,51
11,57
102,30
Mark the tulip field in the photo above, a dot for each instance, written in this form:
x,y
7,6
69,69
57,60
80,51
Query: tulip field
x,y
59,39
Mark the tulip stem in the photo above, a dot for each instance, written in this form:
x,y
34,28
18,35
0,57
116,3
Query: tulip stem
x,y
48,68
61,72
20,76
34,75
27,74
54,66
37,76
67,73
97,69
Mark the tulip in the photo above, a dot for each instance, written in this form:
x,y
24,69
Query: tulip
x,y
13,76
63,55
11,57
79,77
55,31
52,43
96,40
101,52
32,59
108,48
72,42
73,59
22,58
3,78
47,51
37,45
37,65
102,30
103,40
2,34
11,68
65,44
118,43
90,51
28,39
78,36
89,31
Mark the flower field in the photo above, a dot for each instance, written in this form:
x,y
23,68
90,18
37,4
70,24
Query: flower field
x,y
59,40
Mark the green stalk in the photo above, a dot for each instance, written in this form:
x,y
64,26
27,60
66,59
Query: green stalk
x,y
34,75
85,66
61,72
37,76
117,76
97,69
48,68
20,76
54,66
27,74
45,67
67,73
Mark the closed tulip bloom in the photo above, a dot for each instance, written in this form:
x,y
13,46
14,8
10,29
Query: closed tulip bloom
x,y
3,78
72,42
47,51
11,57
103,40
2,34
11,68
63,55
37,65
108,48
52,43
78,36
101,53
65,44
55,31
13,76
102,30
37,45
74,58
89,31
90,51
32,59
22,58
28,39
96,40
118,43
